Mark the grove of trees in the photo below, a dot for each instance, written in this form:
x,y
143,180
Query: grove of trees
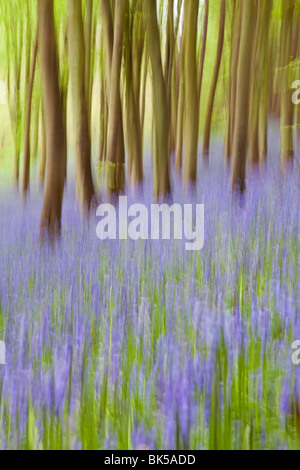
x,y
106,64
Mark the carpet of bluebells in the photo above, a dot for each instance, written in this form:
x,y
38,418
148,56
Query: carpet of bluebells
x,y
143,345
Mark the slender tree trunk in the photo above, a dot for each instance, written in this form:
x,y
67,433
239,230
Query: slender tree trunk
x,y
43,154
14,48
143,92
169,61
297,111
180,107
84,181
206,138
107,52
133,62
258,99
160,105
242,97
36,128
88,44
26,157
203,49
64,79
254,97
191,93
235,47
263,104
287,115
116,149
178,111
55,135
103,119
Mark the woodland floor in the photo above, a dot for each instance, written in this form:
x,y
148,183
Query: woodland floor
x,y
125,345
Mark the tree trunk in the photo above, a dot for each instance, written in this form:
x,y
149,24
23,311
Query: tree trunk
x,y
180,107
242,97
258,97
36,128
160,105
263,104
254,95
26,156
133,62
203,49
169,61
43,154
191,93
115,164
55,135
84,181
287,114
206,138
106,59
103,119
88,43
143,92
235,47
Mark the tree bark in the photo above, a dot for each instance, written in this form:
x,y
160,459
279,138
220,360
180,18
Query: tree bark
x,y
235,46
206,138
160,105
203,49
180,107
88,43
287,114
115,164
191,93
258,99
242,97
133,61
26,156
84,181
55,135
42,167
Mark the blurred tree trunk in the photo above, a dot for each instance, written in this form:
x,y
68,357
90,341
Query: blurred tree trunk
x,y
103,118
180,106
242,96
115,164
168,70
178,92
160,105
143,91
36,127
43,153
287,114
211,99
258,94
133,63
26,155
265,70
14,50
254,95
106,59
84,181
295,56
88,55
298,74
64,78
191,93
235,47
203,49
54,123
